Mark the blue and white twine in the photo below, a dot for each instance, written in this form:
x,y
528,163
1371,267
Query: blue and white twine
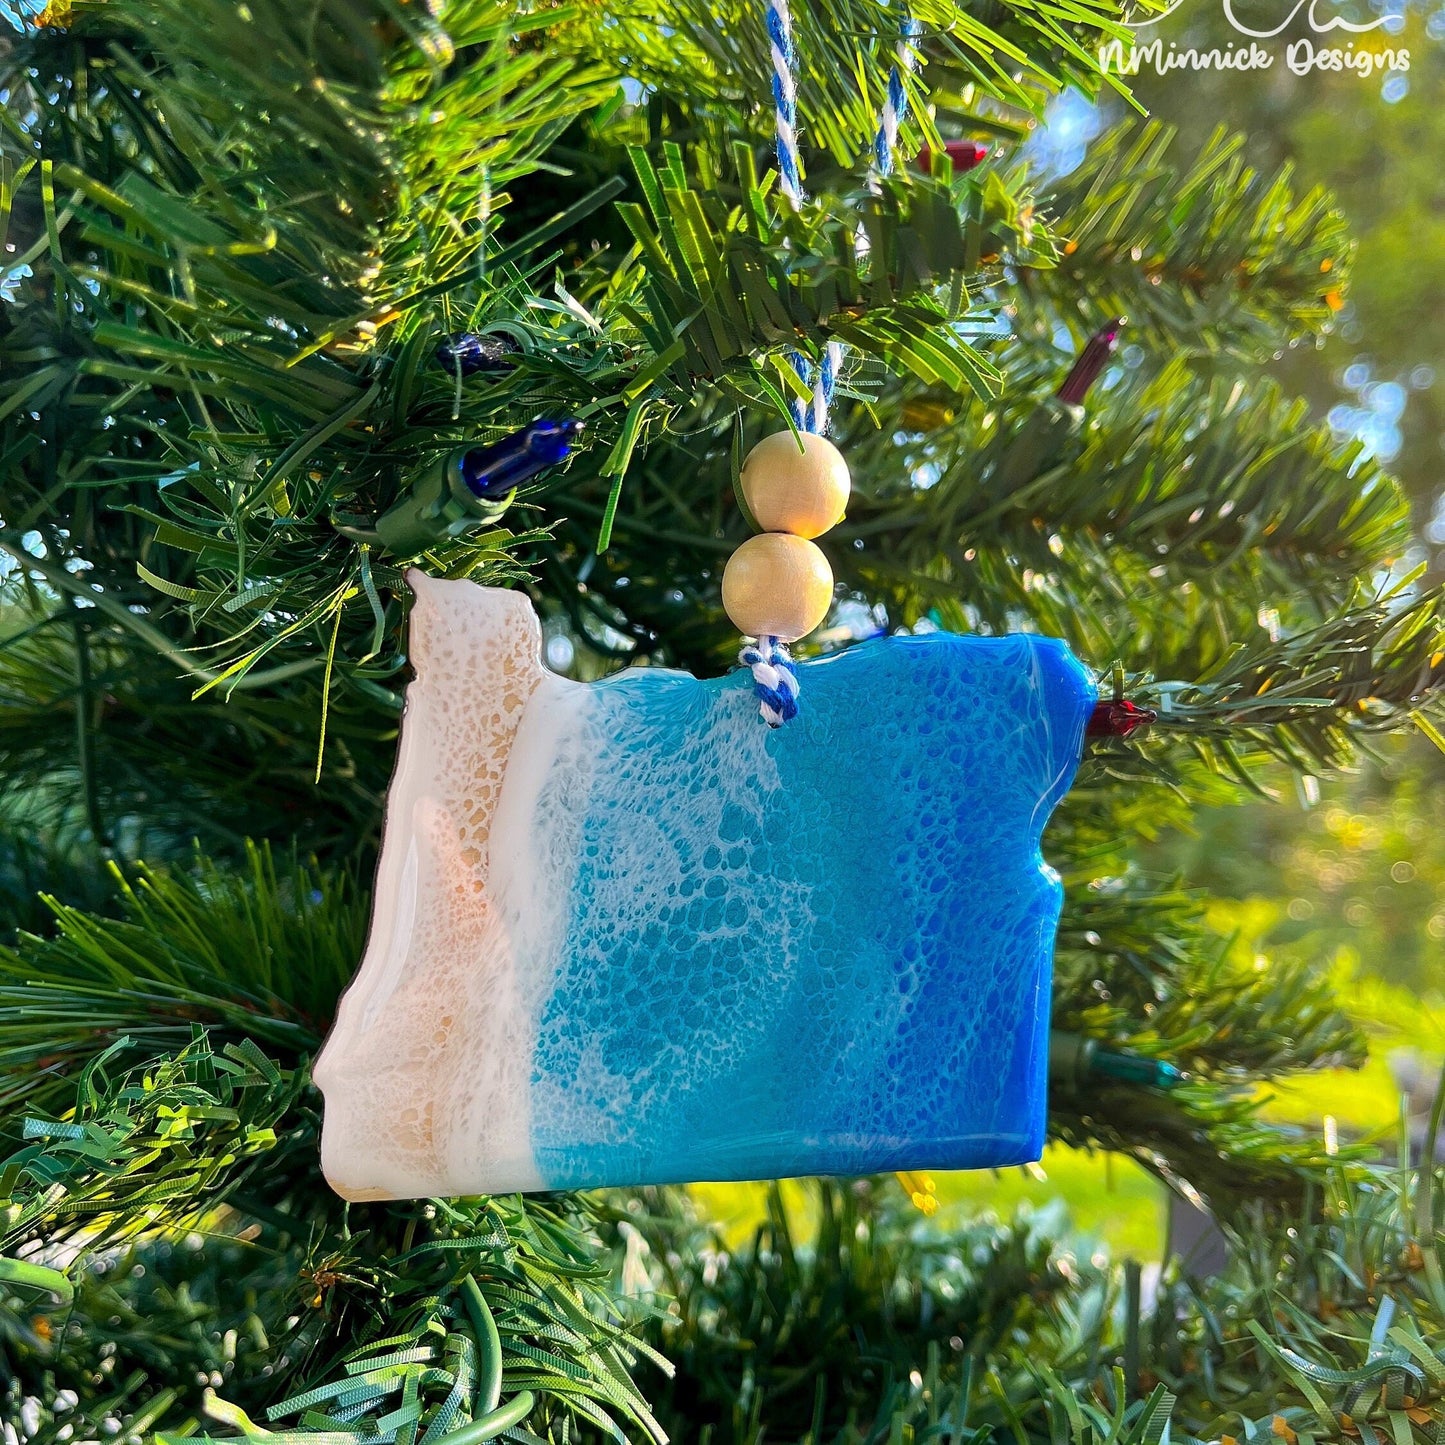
x,y
790,170
895,104
774,680
785,101
824,378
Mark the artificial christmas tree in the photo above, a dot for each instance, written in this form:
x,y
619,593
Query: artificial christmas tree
x,y
267,269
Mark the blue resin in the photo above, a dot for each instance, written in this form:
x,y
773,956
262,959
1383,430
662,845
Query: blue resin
x,y
821,949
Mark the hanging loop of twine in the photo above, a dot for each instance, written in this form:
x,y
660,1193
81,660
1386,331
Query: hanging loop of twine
x,y
774,680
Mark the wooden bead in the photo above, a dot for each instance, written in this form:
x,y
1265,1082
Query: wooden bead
x,y
802,492
777,585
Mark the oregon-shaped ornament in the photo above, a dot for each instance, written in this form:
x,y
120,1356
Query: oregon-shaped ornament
x,y
625,934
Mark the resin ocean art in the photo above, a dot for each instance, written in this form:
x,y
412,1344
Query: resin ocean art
x,y
623,933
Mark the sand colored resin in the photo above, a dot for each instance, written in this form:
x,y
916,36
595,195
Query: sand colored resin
x,y
623,933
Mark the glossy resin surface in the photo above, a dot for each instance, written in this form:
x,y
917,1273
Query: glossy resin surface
x,y
624,933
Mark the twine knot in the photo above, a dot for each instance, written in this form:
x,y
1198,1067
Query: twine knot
x,y
774,679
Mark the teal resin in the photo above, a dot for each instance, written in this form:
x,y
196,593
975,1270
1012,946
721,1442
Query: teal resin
x,y
845,967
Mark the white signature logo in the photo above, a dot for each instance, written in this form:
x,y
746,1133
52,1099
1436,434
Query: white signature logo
x,y
1320,27
1300,56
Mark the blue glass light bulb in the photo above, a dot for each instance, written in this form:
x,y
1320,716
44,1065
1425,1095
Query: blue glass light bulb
x,y
470,353
492,471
